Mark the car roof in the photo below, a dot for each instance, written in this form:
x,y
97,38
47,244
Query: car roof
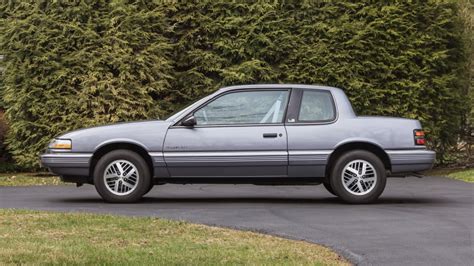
x,y
277,86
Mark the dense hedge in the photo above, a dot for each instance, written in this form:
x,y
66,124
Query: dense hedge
x,y
78,64
398,59
70,65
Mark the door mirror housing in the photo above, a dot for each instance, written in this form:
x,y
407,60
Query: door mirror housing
x,y
189,121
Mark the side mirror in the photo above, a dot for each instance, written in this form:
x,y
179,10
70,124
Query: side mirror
x,y
189,121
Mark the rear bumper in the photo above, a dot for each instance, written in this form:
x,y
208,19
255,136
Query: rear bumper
x,y
404,161
67,164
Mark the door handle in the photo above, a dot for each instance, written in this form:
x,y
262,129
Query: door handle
x,y
270,135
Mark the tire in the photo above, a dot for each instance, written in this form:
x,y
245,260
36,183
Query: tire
x,y
128,177
349,181
329,188
149,189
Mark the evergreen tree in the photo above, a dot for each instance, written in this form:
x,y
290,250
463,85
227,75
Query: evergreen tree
x,y
79,63
392,58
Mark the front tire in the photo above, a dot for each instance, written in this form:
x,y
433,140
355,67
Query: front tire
x,y
122,176
149,189
358,177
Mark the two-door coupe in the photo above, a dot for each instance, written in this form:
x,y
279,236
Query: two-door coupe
x,y
257,134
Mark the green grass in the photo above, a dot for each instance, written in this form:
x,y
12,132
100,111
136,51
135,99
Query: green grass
x,y
28,179
33,237
466,174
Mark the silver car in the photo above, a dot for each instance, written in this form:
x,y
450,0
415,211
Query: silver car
x,y
257,134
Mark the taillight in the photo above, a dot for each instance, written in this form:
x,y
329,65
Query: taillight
x,y
419,137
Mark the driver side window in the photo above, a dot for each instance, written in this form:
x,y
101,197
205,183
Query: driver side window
x,y
245,107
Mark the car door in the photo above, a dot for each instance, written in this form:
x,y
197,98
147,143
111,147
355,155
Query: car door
x,y
310,124
238,133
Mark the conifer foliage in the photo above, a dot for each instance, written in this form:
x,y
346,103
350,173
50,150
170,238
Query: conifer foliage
x,y
73,64
402,59
78,63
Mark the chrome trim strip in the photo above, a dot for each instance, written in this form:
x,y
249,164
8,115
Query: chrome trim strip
x,y
229,159
66,159
301,157
245,158
157,158
66,155
233,125
310,152
410,151
411,156
305,157
224,153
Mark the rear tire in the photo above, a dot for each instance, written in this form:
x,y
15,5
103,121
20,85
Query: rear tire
x,y
358,177
329,188
122,176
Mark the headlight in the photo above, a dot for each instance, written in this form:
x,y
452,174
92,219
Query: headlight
x,y
64,144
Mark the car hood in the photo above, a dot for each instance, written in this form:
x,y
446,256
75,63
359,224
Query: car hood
x,y
147,134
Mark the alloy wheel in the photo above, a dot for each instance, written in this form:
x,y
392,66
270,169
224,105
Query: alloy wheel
x,y
359,177
121,177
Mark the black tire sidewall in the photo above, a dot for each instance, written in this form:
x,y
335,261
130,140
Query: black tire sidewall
x,y
336,180
149,188
328,187
144,181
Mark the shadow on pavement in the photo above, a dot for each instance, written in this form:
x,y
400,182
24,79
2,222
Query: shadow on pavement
x,y
265,200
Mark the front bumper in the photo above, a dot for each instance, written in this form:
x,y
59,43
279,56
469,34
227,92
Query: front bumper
x,y
415,160
66,163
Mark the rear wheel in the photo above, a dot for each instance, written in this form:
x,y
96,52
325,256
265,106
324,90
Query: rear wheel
x,y
358,177
122,176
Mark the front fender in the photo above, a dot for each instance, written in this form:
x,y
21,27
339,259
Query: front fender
x,y
121,140
148,135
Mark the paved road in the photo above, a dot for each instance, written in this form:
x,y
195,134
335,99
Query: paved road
x,y
425,221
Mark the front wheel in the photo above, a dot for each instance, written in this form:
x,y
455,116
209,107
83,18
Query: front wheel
x,y
358,177
122,176
149,189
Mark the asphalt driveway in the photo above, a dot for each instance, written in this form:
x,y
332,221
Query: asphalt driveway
x,y
428,221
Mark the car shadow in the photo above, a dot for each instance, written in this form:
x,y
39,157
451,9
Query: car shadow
x,y
263,200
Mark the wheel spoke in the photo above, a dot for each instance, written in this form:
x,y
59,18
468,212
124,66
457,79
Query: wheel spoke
x,y
369,179
125,183
350,181
116,186
119,168
352,170
353,185
110,176
130,173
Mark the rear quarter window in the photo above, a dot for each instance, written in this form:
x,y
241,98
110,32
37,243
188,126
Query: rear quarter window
x,y
316,106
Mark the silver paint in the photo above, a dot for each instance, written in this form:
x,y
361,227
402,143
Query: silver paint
x,y
299,150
